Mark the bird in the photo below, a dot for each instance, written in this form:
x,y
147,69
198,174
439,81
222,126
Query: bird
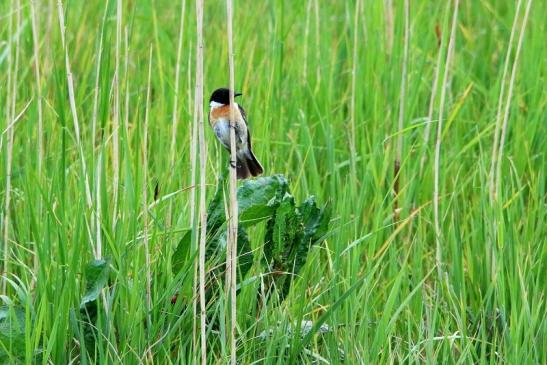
x,y
246,163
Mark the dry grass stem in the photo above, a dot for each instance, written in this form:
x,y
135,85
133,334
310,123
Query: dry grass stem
x,y
444,86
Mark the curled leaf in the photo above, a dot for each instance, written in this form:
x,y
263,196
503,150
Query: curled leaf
x,y
96,276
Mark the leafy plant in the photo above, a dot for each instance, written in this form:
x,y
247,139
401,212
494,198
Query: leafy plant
x,y
289,234
96,275
12,333
13,317
290,230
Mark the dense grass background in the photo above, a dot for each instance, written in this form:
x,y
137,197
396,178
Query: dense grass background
x,y
374,282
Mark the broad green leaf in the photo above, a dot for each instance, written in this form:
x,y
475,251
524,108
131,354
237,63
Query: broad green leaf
x,y
316,220
289,232
216,249
12,333
96,276
182,252
283,234
323,224
289,235
311,217
244,251
257,200
215,211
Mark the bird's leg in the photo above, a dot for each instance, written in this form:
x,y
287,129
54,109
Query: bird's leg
x,y
234,126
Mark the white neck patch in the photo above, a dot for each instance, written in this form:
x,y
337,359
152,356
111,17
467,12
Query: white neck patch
x,y
215,104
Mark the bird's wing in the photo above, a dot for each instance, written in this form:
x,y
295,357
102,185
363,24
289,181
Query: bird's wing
x,y
243,113
244,116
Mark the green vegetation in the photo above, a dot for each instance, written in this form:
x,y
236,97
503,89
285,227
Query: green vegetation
x,y
325,90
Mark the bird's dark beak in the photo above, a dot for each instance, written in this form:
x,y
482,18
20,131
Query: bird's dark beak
x,y
237,94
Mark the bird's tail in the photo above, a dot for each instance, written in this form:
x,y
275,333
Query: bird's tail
x,y
254,166
242,169
248,166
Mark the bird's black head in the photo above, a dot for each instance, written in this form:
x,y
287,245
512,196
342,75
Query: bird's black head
x,y
222,96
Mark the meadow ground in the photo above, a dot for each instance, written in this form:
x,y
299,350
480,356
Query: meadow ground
x,y
336,93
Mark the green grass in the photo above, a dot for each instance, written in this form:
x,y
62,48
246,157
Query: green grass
x,y
375,282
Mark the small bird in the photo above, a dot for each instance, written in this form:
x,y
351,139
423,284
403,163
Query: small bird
x,y
219,117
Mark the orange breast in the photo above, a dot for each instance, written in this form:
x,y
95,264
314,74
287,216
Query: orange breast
x,y
223,112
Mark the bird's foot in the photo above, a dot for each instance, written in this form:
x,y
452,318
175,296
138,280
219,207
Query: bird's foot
x,y
233,164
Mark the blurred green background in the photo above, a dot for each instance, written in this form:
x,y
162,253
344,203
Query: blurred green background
x,y
319,79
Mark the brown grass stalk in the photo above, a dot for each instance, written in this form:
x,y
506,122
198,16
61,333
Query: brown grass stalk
x,y
499,121
508,100
38,94
400,126
174,117
353,151
116,116
11,101
317,42
97,249
306,41
194,214
444,86
231,258
145,192
388,8
202,175
434,86
126,67
72,101
37,76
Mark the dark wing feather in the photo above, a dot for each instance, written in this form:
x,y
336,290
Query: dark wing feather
x,y
244,116
243,113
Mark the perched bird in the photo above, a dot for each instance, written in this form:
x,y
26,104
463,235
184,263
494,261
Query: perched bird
x,y
219,117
